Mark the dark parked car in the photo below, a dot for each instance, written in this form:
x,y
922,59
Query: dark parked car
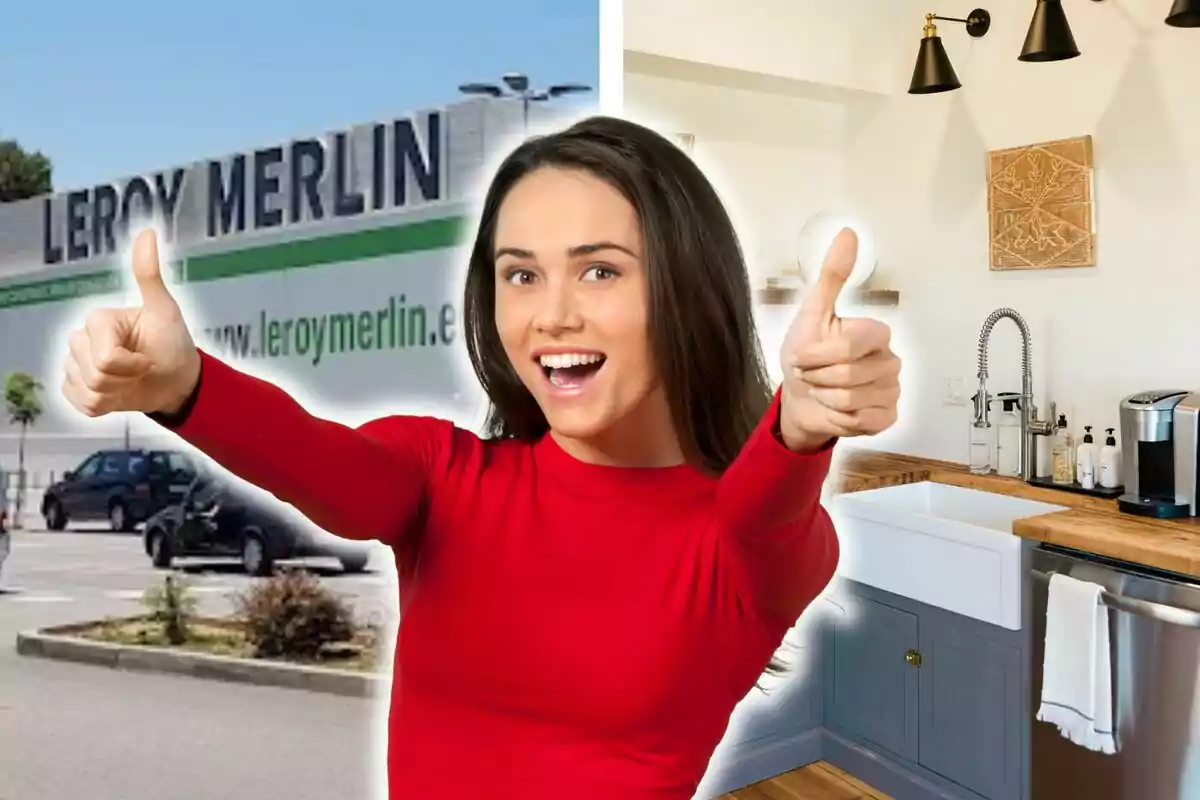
x,y
214,520
124,487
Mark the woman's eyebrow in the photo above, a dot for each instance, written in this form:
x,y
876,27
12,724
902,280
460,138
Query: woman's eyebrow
x,y
596,247
514,251
574,252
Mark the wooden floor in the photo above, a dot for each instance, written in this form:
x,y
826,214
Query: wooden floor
x,y
818,781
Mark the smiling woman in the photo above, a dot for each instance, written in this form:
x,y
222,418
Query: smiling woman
x,y
594,285
589,589
571,302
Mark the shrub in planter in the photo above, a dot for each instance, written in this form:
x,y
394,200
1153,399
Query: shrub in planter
x,y
172,605
293,615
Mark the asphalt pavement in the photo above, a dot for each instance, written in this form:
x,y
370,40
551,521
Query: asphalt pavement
x,y
70,731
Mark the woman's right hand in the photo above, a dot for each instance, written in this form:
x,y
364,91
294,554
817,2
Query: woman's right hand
x,y
134,359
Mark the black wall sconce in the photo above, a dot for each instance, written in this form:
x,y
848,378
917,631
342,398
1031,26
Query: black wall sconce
x,y
1184,14
933,71
1049,37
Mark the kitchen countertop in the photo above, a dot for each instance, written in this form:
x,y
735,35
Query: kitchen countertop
x,y
1090,524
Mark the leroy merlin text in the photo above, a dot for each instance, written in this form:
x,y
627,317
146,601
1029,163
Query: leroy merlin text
x,y
393,326
305,180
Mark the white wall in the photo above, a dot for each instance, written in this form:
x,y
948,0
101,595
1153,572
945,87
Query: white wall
x,y
774,159
916,170
914,167
830,43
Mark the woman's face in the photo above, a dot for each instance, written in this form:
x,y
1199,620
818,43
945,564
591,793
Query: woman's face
x,y
571,304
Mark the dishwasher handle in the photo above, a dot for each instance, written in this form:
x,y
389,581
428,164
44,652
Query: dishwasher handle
x,y
1172,615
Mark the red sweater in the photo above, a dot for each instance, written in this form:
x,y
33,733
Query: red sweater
x,y
567,629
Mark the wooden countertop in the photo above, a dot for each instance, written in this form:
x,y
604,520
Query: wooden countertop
x,y
1091,524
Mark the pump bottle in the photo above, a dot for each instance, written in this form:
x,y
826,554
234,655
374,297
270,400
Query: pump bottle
x,y
1085,460
1110,462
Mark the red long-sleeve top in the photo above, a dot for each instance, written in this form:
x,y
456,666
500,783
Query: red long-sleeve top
x,y
568,630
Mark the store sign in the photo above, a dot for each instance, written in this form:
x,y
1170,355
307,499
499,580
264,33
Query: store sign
x,y
307,180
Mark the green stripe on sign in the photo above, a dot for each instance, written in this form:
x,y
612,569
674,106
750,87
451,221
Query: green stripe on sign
x,y
56,289
105,280
413,237
435,234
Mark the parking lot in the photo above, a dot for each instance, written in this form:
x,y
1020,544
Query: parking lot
x,y
71,731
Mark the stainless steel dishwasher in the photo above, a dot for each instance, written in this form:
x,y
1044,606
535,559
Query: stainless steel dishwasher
x,y
1154,619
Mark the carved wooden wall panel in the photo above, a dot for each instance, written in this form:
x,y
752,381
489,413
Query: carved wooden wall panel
x,y
1040,205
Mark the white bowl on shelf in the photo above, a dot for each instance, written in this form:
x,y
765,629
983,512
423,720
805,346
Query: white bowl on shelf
x,y
817,235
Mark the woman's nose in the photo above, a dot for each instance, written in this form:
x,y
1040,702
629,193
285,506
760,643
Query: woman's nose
x,y
557,310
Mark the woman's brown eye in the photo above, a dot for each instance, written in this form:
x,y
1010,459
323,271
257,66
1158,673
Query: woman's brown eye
x,y
600,273
519,277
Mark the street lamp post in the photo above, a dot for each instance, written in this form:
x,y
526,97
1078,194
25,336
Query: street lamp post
x,y
518,86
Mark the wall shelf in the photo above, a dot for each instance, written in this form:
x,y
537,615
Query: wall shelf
x,y
779,293
888,298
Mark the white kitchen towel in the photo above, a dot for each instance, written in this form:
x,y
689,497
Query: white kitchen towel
x,y
1077,671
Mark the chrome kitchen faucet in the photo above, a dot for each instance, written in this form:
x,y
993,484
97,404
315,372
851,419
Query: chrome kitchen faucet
x,y
1031,426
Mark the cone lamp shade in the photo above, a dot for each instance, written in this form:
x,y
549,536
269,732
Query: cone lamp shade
x,y
1049,37
1184,14
933,71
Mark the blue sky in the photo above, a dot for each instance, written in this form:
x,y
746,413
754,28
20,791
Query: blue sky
x,y
111,89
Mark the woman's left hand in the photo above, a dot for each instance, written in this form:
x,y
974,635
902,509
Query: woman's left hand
x,y
840,376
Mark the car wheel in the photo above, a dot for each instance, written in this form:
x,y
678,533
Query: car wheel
x,y
160,549
255,559
56,519
118,517
354,563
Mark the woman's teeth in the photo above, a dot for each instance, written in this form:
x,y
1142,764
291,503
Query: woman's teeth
x,y
570,370
567,360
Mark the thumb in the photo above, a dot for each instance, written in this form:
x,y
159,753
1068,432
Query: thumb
x,y
148,274
821,301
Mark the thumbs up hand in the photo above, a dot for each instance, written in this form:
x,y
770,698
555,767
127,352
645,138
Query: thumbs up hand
x,y
134,359
840,376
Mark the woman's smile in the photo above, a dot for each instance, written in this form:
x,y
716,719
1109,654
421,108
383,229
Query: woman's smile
x,y
569,372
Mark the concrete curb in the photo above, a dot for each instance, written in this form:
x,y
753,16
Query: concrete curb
x,y
58,644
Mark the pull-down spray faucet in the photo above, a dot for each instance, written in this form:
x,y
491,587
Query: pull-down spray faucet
x,y
1031,426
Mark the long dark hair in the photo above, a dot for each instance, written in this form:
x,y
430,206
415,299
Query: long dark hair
x,y
702,333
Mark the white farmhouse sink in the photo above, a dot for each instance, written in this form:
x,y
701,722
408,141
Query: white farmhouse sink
x,y
946,546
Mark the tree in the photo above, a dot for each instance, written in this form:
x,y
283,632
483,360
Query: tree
x,y
23,174
24,407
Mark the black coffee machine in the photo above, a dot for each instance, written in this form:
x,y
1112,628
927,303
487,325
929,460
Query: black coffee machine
x,y
1159,453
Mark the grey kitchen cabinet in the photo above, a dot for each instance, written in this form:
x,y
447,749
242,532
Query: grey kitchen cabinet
x,y
921,703
940,697
971,706
872,690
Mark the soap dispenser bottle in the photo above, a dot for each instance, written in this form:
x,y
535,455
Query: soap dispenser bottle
x,y
1110,462
1008,435
1085,460
1062,454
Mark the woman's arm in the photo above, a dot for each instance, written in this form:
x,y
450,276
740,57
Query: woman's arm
x,y
769,505
361,483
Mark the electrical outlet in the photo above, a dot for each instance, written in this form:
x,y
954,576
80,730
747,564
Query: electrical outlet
x,y
954,392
